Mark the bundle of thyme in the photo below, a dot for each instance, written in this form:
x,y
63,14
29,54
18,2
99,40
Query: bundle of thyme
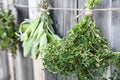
x,y
84,52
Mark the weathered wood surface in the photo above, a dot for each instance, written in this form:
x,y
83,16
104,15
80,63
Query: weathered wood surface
x,y
19,68
39,73
24,67
4,70
107,21
116,26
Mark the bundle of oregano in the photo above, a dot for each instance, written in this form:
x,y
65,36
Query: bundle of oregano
x,y
36,34
8,39
83,53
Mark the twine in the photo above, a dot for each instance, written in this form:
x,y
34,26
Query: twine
x,y
86,11
83,11
69,9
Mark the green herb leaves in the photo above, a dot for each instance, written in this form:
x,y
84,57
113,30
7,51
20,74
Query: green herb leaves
x,y
8,39
83,52
37,34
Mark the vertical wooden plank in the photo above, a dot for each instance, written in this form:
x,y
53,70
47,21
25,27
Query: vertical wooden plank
x,y
10,65
4,70
103,21
6,54
22,12
23,69
69,16
115,27
57,16
24,65
39,73
103,18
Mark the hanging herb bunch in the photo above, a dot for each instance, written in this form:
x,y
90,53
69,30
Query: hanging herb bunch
x,y
84,52
8,39
36,34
